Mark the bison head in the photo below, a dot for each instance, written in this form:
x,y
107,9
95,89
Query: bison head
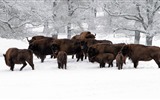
x,y
6,60
125,50
92,52
90,36
84,45
92,59
55,48
33,47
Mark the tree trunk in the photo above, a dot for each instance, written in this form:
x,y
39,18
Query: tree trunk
x,y
70,8
137,37
69,31
149,40
46,28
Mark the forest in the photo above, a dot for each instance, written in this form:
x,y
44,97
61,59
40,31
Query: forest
x,y
18,18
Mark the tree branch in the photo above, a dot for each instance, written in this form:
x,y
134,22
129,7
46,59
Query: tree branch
x,y
129,29
140,16
126,16
156,10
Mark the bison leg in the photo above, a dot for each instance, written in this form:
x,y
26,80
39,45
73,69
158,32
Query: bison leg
x,y
85,55
59,65
119,67
103,65
78,59
12,65
52,56
65,66
73,56
32,65
111,63
135,63
158,63
42,58
82,57
30,62
24,64
122,66
100,65
116,64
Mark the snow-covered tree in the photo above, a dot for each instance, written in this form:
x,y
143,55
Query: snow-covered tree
x,y
145,12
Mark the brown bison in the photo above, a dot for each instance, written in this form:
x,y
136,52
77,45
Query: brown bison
x,y
138,52
62,60
103,58
120,59
41,48
69,46
86,43
87,35
18,56
79,55
84,35
104,48
76,37
35,38
38,37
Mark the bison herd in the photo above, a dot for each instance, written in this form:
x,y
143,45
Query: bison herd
x,y
82,46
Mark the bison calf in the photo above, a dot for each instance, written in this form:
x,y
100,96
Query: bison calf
x,y
62,59
18,56
120,59
79,56
103,58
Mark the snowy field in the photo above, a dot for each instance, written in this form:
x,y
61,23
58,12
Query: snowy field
x,y
81,81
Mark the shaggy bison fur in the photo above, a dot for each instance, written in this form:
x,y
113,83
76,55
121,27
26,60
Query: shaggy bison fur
x,y
103,58
120,59
138,52
18,56
71,47
35,38
86,43
79,55
84,35
41,48
62,60
104,48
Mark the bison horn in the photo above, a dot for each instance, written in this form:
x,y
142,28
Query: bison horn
x,y
27,39
4,55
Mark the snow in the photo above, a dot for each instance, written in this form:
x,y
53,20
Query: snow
x,y
82,80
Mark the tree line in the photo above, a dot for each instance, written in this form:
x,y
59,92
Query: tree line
x,y
18,17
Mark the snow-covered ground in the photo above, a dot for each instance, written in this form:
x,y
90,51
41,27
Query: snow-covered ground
x,y
81,81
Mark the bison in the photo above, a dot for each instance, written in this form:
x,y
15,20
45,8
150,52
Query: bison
x,y
62,60
69,46
120,59
87,35
104,48
41,48
79,55
84,35
35,38
38,37
138,52
103,58
18,56
86,43
76,37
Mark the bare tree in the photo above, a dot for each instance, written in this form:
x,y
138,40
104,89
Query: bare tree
x,y
143,11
